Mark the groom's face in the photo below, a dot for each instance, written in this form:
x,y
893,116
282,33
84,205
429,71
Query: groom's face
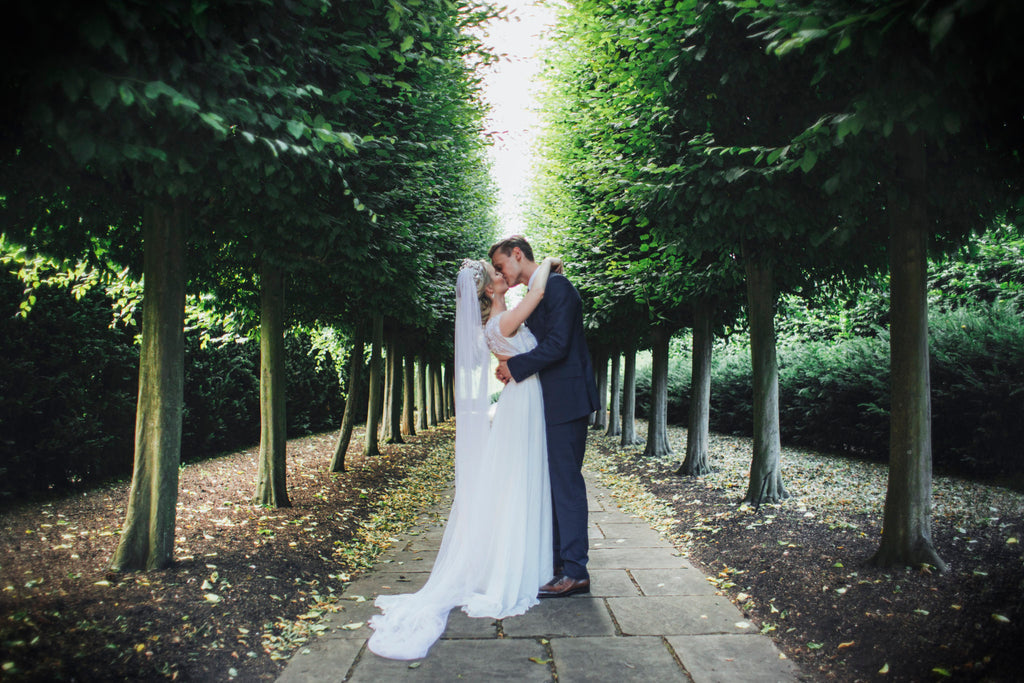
x,y
509,265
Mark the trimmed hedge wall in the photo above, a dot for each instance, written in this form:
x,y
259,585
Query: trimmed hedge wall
x,y
834,395
69,383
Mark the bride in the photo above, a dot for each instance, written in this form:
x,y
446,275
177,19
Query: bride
x,y
496,548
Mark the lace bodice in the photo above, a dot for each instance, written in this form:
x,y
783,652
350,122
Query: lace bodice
x,y
521,342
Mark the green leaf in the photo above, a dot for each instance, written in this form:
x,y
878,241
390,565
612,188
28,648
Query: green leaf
x,y
941,25
155,89
363,77
348,141
407,43
809,159
214,121
296,128
102,91
126,93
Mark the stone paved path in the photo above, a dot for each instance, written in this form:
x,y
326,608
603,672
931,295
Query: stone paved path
x,y
650,617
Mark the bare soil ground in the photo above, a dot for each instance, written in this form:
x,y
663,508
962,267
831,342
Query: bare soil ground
x,y
249,583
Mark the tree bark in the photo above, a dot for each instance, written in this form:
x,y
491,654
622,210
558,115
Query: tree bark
x,y
629,436
393,415
435,374
657,422
147,537
430,369
697,433
352,401
614,428
765,484
421,393
907,524
371,443
601,419
271,485
449,390
408,396
385,423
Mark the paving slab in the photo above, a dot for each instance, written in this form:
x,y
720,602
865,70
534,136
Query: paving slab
x,y
463,660
461,625
577,615
685,581
610,516
636,558
749,658
609,583
409,560
631,535
613,660
677,615
324,660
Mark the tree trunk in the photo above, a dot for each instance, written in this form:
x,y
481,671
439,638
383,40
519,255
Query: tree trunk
x,y
430,369
449,391
614,429
389,353
629,436
765,484
657,421
147,537
435,374
271,486
696,462
352,401
408,396
421,393
396,375
907,524
371,443
601,419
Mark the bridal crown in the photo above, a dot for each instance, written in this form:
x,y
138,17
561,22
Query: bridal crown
x,y
477,267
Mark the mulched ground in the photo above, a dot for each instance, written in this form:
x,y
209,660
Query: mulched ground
x,y
799,569
251,584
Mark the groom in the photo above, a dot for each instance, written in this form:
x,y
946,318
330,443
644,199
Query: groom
x,y
570,395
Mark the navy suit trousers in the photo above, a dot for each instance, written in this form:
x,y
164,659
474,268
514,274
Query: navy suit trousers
x,y
566,444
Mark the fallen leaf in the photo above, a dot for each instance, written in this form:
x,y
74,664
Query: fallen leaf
x,y
1001,619
538,660
846,644
884,669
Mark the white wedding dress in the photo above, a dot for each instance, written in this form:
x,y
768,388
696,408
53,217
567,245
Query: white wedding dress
x,y
496,549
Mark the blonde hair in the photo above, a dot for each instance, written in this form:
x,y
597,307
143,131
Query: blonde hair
x,y
481,293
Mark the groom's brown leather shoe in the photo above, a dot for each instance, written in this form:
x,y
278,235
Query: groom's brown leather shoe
x,y
563,587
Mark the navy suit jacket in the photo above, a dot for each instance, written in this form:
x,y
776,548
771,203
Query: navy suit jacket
x,y
561,356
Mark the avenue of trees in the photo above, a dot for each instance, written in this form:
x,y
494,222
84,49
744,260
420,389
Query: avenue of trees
x,y
307,175
705,158
307,164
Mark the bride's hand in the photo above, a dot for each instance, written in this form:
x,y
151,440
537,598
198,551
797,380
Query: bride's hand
x,y
556,264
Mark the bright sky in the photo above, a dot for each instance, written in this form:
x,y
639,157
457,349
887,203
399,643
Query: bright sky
x,y
511,87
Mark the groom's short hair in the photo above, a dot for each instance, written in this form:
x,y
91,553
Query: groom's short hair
x,y
506,246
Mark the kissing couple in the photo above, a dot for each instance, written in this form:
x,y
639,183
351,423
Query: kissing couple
x,y
520,508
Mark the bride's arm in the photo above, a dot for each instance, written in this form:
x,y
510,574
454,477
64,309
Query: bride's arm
x,y
511,321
